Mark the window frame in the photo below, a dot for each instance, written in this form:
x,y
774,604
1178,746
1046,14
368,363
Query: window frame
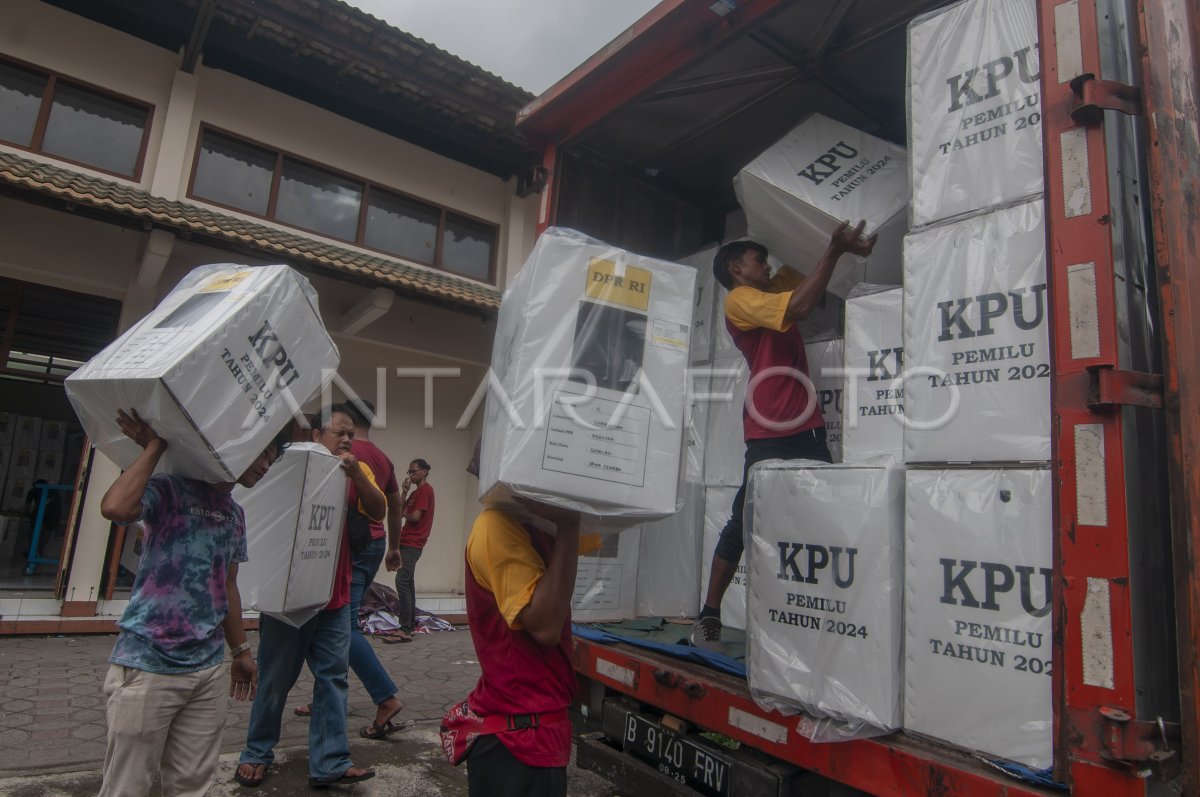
x,y
368,187
47,103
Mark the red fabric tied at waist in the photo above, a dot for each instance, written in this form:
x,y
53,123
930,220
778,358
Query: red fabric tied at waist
x,y
461,726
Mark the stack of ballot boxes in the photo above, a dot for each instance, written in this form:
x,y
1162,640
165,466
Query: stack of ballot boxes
x,y
978,516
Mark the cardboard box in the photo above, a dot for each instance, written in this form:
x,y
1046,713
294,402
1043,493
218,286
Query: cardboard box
x,y
725,437
978,581
5,460
974,110
15,490
218,368
718,501
606,582
28,432
8,427
706,316
590,362
669,562
49,466
826,591
23,464
295,520
53,437
822,173
825,364
873,401
977,340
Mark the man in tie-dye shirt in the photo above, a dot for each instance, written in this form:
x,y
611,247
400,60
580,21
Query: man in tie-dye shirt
x,y
166,695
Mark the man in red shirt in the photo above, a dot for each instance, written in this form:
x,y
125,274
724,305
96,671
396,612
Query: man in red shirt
x,y
520,578
323,641
405,547
364,566
780,418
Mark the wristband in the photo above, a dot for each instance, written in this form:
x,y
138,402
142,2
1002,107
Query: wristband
x,y
239,650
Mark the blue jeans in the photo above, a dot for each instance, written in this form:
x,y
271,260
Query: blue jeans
x,y
363,661
324,643
406,587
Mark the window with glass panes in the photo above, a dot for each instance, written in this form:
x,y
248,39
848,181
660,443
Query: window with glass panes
x,y
47,113
272,184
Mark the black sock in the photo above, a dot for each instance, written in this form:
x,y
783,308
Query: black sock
x,y
705,611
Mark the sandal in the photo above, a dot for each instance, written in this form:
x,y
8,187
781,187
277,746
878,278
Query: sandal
x,y
250,781
303,711
383,731
344,779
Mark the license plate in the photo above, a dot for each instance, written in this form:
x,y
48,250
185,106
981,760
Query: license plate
x,y
679,759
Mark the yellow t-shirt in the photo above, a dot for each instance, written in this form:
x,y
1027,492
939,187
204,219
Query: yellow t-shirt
x,y
504,562
370,477
751,308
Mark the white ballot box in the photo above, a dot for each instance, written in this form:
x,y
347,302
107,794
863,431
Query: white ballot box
x,y
218,368
822,173
825,590
589,382
873,397
976,340
294,525
978,573
974,110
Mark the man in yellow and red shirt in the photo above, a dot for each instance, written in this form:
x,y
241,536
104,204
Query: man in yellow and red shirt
x,y
780,417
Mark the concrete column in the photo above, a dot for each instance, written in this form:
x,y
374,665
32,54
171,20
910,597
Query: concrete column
x,y
173,163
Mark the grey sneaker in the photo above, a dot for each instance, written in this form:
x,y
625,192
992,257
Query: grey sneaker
x,y
706,634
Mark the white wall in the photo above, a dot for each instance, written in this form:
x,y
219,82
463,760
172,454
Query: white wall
x,y
73,46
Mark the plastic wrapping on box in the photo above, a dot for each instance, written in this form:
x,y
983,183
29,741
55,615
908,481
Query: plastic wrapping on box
x,y
705,313
669,564
976,340
978,574
974,108
820,174
586,410
718,502
217,368
825,591
825,369
53,437
873,398
49,466
725,436
294,524
606,581
8,427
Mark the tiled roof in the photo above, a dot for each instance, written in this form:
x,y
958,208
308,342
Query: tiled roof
x,y
110,195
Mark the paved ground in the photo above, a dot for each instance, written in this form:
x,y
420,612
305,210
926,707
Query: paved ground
x,y
52,723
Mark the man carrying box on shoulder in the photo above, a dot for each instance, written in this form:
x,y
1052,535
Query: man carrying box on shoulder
x,y
781,418
166,695
513,730
323,642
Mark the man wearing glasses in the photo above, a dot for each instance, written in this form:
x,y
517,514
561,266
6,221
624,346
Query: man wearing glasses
x,y
404,548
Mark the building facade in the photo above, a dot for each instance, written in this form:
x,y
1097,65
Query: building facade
x,y
138,141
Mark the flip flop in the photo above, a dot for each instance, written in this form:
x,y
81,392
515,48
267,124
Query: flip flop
x,y
303,711
325,783
397,637
250,782
374,731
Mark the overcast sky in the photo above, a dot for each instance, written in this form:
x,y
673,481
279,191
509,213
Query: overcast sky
x,y
531,43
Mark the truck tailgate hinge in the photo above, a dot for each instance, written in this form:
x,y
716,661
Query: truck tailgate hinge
x,y
1110,388
1139,744
1096,96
